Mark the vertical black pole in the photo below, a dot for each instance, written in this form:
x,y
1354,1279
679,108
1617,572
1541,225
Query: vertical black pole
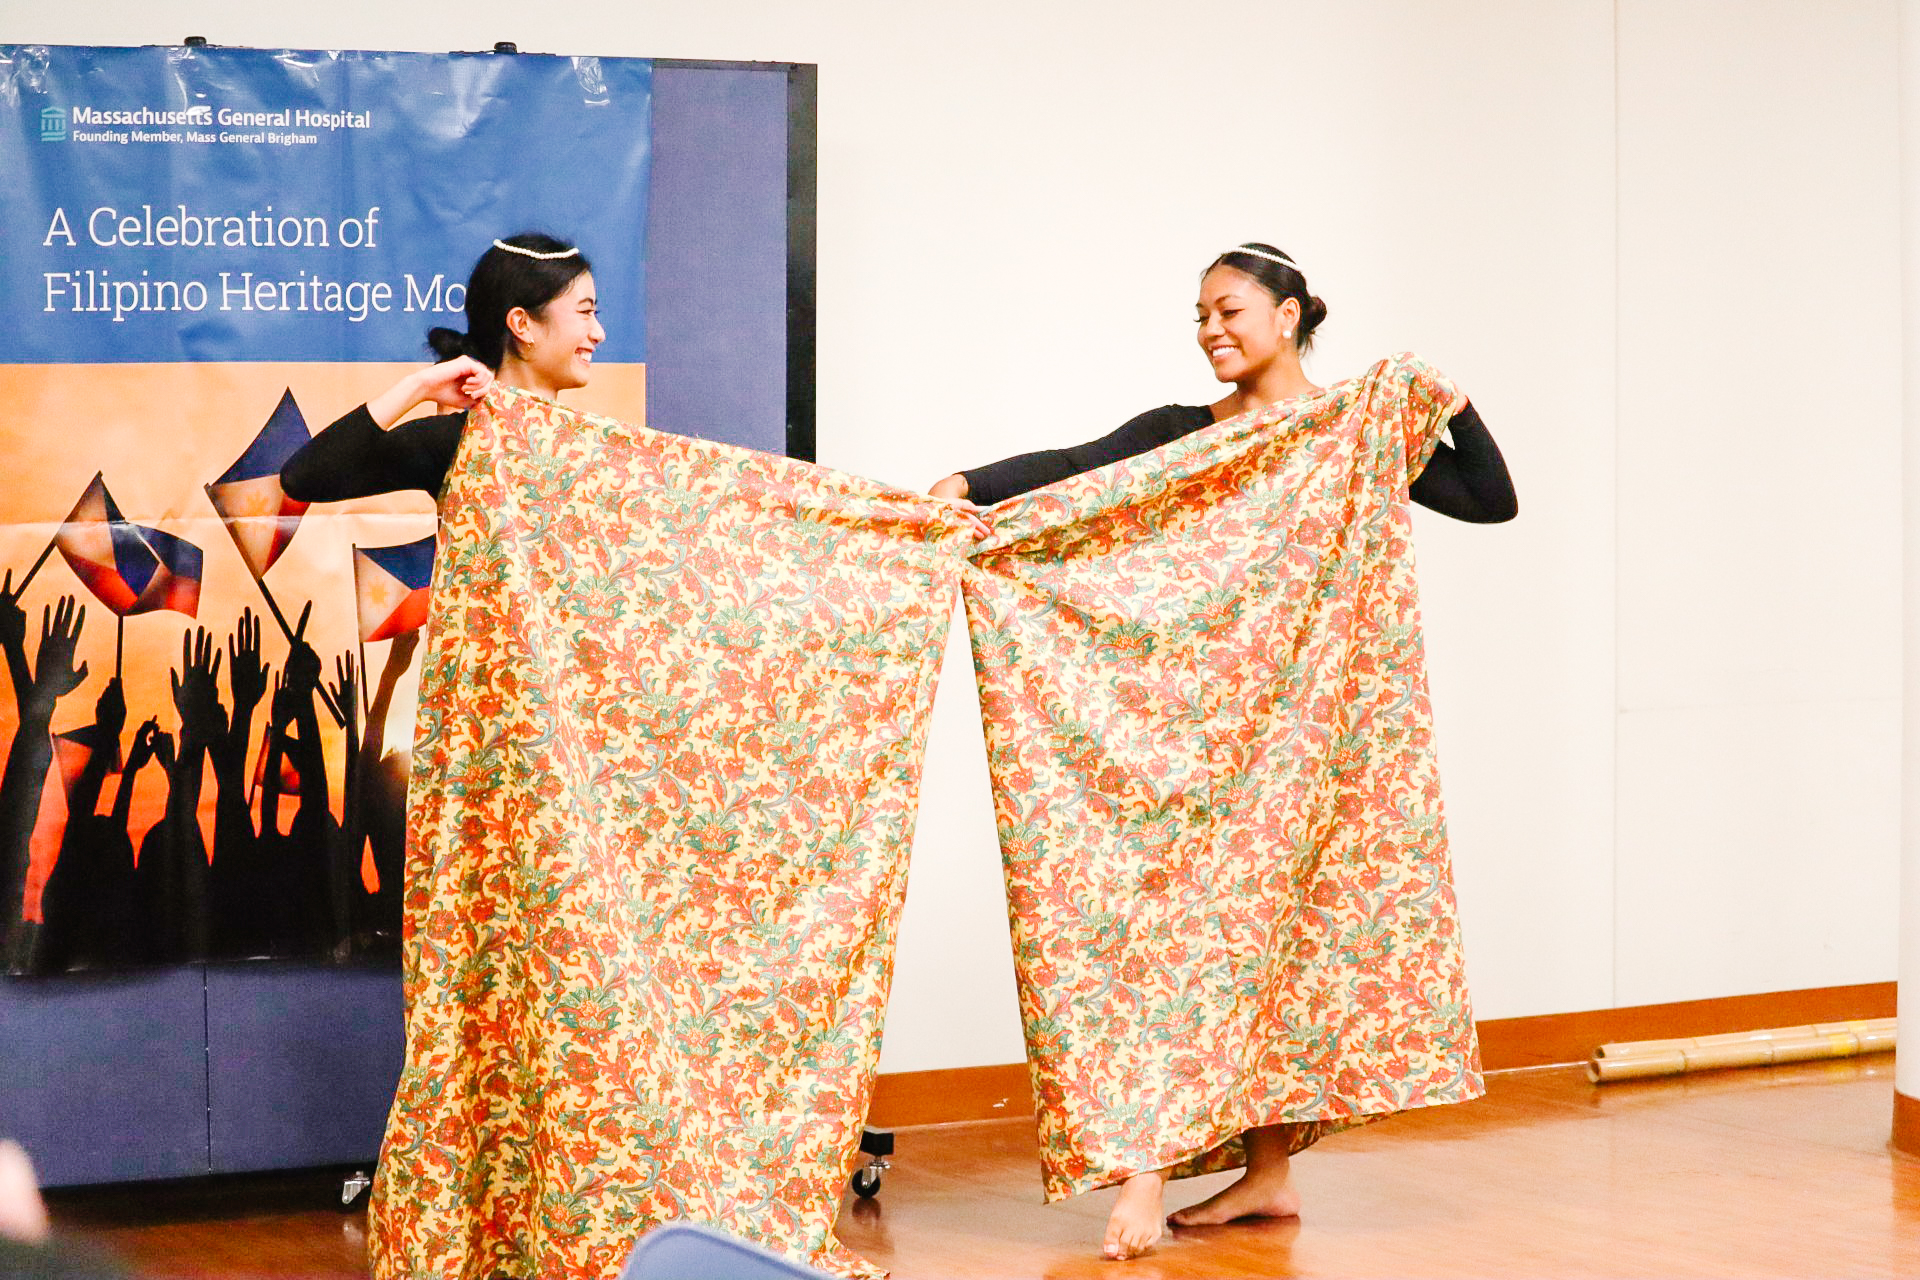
x,y
803,201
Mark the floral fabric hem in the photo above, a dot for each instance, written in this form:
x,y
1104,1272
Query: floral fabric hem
x,y
1204,694
673,709
672,713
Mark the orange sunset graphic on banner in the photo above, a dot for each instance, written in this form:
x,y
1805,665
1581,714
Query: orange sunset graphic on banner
x,y
217,680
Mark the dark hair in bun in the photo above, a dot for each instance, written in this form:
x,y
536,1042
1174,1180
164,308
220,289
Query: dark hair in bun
x,y
1273,270
503,280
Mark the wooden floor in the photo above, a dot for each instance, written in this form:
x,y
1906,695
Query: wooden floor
x,y
1768,1172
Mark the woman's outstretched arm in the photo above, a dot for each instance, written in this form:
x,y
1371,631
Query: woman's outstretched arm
x,y
358,455
998,481
1469,480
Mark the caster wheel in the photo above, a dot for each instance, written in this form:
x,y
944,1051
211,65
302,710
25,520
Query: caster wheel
x,y
866,1182
353,1190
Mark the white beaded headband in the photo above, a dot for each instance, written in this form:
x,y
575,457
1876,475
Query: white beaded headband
x,y
529,253
1249,251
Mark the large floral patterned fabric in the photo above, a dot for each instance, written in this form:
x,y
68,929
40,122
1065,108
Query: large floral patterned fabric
x,y
672,714
1204,693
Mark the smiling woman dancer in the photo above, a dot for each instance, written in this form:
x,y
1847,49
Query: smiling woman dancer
x,y
532,322
1256,320
1388,1047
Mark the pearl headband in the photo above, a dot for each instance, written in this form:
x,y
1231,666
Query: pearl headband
x,y
1249,251
529,253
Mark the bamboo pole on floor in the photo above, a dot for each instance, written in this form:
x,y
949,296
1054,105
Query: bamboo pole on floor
x,y
1641,1059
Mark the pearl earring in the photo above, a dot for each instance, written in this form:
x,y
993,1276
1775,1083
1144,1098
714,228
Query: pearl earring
x,y
1286,333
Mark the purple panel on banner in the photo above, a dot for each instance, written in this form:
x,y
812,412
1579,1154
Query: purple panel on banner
x,y
104,1079
717,255
302,1061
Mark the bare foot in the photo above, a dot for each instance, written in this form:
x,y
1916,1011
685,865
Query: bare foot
x,y
22,1215
1267,1194
1135,1223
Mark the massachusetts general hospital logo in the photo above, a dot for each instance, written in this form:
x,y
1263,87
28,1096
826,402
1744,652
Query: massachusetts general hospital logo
x,y
53,124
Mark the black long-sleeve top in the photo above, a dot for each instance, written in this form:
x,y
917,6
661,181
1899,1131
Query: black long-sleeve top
x,y
354,458
1467,480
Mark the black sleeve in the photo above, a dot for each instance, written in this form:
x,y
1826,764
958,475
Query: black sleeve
x,y
1468,481
1010,477
354,458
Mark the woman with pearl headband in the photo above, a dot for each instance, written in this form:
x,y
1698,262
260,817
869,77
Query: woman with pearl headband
x,y
1256,320
532,322
1203,990
655,827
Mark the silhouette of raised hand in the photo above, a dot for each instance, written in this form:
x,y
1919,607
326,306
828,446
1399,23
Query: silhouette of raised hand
x,y
28,756
346,693
247,678
285,711
54,675
13,638
303,664
13,619
399,655
147,741
163,752
147,744
400,652
110,709
246,673
196,689
109,714
285,707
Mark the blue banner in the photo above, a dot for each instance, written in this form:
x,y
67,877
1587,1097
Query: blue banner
x,y
206,255
203,204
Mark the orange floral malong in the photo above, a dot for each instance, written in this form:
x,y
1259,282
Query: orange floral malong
x,y
672,713
1204,691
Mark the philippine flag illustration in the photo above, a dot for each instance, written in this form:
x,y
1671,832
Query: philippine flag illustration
x,y
130,567
391,586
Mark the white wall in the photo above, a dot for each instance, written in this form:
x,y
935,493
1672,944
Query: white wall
x,y
1654,239
1758,496
1907,1054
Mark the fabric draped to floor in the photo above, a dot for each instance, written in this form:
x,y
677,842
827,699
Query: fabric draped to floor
x,y
672,715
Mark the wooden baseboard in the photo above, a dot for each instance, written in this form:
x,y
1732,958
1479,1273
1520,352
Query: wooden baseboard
x,y
996,1092
1554,1038
951,1096
1906,1124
